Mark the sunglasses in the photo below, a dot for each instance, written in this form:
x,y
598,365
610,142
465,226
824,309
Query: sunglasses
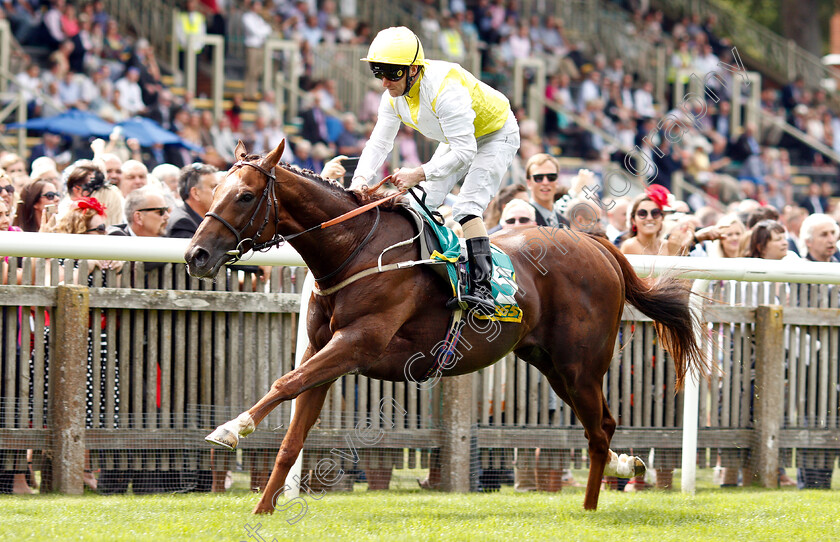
x,y
539,177
98,229
388,71
518,219
159,210
51,195
8,188
655,213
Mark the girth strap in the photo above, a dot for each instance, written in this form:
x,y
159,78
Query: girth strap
x,y
372,271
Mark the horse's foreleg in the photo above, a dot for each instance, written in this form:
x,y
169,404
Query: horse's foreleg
x,y
227,435
349,350
307,408
269,401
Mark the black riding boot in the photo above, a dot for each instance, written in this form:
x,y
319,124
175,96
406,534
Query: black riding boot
x,y
479,296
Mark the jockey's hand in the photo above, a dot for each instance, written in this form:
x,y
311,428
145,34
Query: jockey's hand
x,y
405,178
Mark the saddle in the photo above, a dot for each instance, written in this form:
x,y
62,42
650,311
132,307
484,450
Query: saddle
x,y
439,243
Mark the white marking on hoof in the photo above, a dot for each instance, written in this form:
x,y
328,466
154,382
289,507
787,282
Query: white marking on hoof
x,y
227,435
223,437
246,424
624,466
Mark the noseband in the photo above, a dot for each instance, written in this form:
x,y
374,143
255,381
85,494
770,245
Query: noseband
x,y
267,195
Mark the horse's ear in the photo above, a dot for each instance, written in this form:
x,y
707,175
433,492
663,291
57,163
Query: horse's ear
x,y
273,158
239,152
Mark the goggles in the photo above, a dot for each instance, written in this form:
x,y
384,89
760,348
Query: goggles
x,y
391,72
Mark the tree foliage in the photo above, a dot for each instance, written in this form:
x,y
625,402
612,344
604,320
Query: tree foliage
x,y
811,34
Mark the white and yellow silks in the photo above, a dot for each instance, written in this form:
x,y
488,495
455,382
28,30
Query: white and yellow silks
x,y
447,104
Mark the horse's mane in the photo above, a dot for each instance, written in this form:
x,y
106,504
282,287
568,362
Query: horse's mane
x,y
359,197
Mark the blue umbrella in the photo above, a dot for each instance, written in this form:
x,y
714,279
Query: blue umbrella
x,y
71,122
148,133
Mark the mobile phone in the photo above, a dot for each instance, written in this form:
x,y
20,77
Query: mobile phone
x,y
350,165
50,209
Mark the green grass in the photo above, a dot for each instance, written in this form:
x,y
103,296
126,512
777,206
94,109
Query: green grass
x,y
731,515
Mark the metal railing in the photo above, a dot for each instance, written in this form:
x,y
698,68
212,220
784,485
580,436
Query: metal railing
x,y
283,80
147,19
752,110
768,119
5,52
15,103
381,15
189,74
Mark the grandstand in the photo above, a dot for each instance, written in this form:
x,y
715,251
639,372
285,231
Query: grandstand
x,y
602,53
730,116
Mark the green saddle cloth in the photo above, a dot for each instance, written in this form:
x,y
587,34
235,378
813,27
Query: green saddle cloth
x,y
504,276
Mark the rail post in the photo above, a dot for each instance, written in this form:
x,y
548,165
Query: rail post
x,y
68,382
457,393
769,393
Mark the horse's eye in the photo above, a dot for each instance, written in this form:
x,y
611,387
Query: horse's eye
x,y
247,197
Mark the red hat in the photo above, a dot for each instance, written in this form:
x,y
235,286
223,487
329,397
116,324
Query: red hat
x,y
91,203
660,196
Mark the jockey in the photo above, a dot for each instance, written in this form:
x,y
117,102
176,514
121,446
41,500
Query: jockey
x,y
474,124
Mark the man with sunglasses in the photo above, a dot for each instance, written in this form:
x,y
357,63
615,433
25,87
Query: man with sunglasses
x,y
146,214
541,173
474,124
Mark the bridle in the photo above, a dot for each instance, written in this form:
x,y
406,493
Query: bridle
x,y
278,239
267,195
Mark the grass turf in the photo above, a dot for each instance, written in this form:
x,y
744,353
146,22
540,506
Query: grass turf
x,y
731,515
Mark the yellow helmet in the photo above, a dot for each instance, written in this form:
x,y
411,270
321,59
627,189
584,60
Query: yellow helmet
x,y
396,45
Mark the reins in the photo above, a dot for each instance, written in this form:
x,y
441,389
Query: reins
x,y
278,239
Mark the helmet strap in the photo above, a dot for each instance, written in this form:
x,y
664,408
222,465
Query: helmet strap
x,y
410,80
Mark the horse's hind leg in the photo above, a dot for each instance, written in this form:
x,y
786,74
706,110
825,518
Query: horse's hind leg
x,y
307,408
586,398
622,466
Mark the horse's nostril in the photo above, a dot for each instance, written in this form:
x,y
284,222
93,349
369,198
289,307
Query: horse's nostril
x,y
200,257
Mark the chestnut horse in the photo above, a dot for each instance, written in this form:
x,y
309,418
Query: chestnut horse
x,y
572,302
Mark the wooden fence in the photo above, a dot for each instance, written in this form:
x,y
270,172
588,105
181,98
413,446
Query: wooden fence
x,y
171,357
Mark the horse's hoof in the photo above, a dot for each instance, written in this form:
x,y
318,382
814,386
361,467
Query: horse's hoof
x,y
639,466
260,510
227,435
223,437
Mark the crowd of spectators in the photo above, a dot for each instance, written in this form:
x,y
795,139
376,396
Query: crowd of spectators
x,y
656,223
165,190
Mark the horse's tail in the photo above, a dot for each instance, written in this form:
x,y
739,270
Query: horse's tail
x,y
666,301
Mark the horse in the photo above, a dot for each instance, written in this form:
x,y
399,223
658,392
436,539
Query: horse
x,y
571,304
